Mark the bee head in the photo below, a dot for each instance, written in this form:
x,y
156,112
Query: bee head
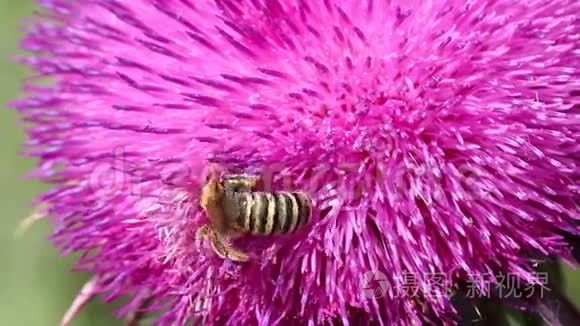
x,y
211,193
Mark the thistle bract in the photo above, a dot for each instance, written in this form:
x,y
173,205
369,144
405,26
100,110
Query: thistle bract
x,y
436,138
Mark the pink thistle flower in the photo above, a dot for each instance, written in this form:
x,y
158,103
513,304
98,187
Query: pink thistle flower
x,y
436,137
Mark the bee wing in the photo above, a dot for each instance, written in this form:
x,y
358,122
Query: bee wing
x,y
240,182
225,250
220,246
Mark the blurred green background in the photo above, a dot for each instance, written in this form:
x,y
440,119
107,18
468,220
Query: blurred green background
x,y
37,287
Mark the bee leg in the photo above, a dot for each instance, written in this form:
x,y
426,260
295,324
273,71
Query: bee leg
x,y
220,245
203,232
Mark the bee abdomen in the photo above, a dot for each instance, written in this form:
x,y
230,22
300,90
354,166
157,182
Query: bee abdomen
x,y
275,213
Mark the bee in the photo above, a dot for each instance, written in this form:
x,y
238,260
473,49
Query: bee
x,y
234,209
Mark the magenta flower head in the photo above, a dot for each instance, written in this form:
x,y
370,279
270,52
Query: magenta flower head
x,y
435,138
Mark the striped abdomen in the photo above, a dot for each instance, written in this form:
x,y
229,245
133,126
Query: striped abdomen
x,y
263,213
